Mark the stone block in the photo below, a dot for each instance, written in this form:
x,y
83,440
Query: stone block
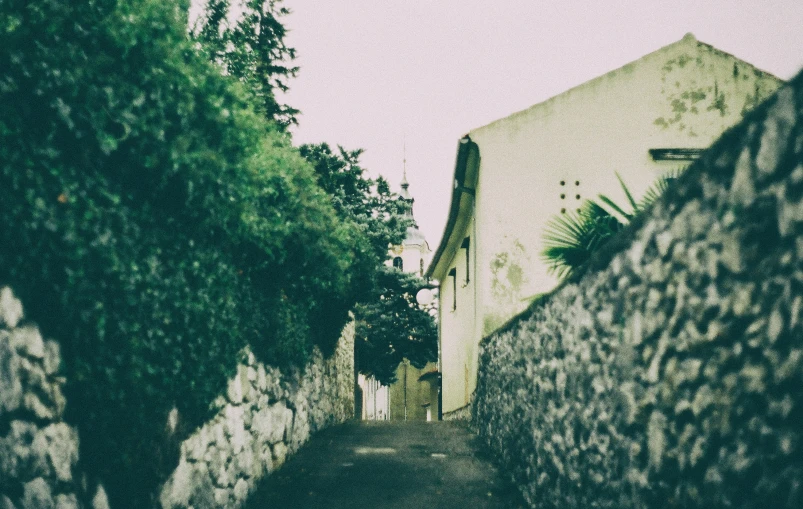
x,y
11,391
223,477
279,454
28,341
52,359
6,503
235,391
37,494
269,424
177,490
246,389
100,500
67,501
10,308
222,497
235,428
240,491
62,450
244,462
34,404
19,459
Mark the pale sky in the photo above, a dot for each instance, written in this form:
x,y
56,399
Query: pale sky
x,y
374,72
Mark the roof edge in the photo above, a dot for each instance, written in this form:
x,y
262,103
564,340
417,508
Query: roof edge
x,y
688,39
461,163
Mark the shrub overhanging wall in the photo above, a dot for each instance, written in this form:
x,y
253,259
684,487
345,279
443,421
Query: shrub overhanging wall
x,y
671,373
154,223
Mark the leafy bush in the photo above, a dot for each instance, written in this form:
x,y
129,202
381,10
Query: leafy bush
x,y
571,239
390,326
154,223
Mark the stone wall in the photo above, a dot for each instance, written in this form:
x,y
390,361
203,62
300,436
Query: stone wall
x,y
670,374
38,450
461,414
265,416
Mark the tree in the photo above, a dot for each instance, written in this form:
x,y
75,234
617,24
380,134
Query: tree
x,y
367,203
390,324
250,46
154,224
391,327
252,49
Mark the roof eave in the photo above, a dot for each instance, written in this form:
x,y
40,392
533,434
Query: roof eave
x,y
463,148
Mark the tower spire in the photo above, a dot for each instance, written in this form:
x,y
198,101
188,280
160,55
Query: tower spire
x,y
404,184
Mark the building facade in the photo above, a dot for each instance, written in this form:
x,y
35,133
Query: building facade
x,y
650,117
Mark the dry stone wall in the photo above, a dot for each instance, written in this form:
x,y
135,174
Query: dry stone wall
x,y
265,416
38,450
671,373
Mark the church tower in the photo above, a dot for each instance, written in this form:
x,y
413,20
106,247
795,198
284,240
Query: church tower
x,y
414,395
413,254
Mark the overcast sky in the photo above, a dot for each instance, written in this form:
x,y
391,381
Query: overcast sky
x,y
374,72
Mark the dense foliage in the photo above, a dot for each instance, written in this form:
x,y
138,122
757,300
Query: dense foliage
x,y
154,222
250,47
248,42
391,327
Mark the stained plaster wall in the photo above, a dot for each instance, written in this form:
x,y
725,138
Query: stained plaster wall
x,y
681,96
457,323
671,376
417,395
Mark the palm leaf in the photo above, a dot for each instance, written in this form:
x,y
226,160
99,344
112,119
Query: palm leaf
x,y
658,188
630,199
571,239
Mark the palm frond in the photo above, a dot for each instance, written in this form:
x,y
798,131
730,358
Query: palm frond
x,y
571,239
627,216
658,188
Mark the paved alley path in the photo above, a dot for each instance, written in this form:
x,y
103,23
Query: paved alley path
x,y
390,465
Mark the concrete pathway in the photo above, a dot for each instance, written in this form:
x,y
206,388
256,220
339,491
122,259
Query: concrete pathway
x,y
388,465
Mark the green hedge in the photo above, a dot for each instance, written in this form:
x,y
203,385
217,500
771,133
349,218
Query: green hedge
x,y
153,223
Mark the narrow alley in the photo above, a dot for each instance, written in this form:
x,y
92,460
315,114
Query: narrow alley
x,y
389,465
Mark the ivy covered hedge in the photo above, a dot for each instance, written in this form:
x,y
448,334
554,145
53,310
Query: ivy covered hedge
x,y
153,223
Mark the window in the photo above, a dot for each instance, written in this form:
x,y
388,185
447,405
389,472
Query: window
x,y
398,263
675,154
466,244
453,273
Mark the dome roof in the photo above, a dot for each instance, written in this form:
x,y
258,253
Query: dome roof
x,y
414,237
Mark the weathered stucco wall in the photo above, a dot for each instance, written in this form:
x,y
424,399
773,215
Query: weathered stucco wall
x,y
419,396
671,376
457,325
554,155
265,416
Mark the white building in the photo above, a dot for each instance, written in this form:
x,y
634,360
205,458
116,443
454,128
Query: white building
x,y
512,175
